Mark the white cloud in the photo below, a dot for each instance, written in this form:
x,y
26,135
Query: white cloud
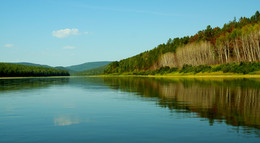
x,y
66,120
8,45
85,32
65,32
69,47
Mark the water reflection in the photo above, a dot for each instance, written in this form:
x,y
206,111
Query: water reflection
x,y
29,83
233,101
65,120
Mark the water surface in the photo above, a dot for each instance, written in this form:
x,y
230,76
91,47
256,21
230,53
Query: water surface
x,y
92,109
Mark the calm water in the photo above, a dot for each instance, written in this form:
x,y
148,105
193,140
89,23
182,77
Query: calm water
x,y
129,110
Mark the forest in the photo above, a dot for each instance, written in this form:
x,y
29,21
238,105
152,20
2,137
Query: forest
x,y
17,70
94,71
236,42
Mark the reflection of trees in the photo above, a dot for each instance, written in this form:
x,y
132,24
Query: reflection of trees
x,y
235,101
29,83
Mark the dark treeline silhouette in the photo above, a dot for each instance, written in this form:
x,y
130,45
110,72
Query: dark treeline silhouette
x,y
236,41
16,70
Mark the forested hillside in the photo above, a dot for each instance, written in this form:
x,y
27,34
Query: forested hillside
x,y
17,70
87,66
94,71
237,41
32,64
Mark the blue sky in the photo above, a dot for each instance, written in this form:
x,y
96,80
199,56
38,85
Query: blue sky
x,y
69,32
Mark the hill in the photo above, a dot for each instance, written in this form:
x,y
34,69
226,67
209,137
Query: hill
x,y
63,68
95,71
31,64
87,66
18,70
237,41
40,65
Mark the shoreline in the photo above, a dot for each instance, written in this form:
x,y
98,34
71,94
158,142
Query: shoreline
x,y
228,75
23,77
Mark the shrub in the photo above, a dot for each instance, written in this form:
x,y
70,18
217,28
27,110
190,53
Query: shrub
x,y
186,68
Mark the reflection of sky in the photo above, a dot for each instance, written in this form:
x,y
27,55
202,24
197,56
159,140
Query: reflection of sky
x,y
82,111
66,120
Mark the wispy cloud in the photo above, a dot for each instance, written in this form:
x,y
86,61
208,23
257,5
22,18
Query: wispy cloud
x,y
63,33
69,47
8,45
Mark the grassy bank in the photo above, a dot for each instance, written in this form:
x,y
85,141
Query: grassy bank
x,y
170,75
230,69
186,75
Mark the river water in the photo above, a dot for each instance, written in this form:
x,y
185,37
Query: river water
x,y
129,109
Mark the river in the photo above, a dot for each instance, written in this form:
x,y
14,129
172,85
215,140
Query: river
x,y
129,109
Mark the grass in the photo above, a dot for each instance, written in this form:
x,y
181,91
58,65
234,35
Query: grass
x,y
228,69
189,75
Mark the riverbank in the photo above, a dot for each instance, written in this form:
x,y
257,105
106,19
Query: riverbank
x,y
34,77
169,75
188,75
242,68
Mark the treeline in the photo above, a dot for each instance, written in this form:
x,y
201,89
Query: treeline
x,y
16,70
94,71
236,41
239,68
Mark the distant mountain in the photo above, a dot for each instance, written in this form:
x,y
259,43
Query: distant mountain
x,y
87,66
31,64
63,68
94,71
